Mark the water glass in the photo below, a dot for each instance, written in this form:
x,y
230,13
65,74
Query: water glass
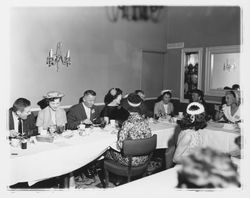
x,y
52,129
24,144
60,129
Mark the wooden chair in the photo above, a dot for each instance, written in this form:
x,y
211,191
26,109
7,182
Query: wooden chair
x,y
131,148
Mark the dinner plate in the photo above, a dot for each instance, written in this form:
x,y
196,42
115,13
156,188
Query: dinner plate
x,y
68,134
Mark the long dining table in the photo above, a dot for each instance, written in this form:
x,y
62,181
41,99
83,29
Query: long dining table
x,y
42,160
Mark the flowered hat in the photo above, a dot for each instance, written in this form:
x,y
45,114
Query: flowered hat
x,y
54,94
134,100
195,108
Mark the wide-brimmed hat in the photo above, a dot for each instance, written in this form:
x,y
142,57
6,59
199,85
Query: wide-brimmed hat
x,y
134,100
54,94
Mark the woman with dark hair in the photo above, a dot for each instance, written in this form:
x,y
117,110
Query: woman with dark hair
x,y
191,126
208,168
198,96
230,111
113,110
52,115
135,127
164,107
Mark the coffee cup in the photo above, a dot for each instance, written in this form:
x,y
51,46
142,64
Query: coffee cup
x,y
112,123
180,114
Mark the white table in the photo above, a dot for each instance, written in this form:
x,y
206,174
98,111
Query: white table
x,y
157,182
45,160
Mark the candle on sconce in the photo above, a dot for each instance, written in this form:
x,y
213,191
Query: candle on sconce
x,y
68,54
51,53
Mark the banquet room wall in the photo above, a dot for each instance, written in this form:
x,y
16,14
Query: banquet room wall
x,y
104,54
198,27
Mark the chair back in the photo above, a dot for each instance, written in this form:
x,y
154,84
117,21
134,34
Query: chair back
x,y
139,146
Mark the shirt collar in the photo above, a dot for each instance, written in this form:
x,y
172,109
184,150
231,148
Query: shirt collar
x,y
85,106
15,116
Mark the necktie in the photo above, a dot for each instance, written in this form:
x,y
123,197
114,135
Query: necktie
x,y
20,126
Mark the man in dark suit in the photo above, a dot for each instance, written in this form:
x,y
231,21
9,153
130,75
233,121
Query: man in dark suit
x,y
85,112
21,120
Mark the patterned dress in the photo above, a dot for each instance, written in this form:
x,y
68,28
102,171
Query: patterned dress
x,y
136,127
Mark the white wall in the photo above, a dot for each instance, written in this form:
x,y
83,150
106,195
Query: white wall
x,y
104,54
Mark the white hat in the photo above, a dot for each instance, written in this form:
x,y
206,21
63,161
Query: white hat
x,y
54,94
198,111
165,90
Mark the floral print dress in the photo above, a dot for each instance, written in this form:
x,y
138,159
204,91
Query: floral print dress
x,y
135,127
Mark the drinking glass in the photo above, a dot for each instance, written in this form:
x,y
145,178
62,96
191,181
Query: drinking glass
x,y
52,129
60,129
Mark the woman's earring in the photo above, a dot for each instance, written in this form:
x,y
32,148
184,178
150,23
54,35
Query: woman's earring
x,y
192,117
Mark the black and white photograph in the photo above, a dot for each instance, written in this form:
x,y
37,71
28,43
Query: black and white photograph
x,y
124,99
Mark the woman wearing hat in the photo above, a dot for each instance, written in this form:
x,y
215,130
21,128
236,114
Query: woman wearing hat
x,y
191,126
52,115
164,107
135,127
113,110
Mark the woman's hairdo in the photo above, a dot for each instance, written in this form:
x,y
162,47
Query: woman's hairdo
x,y
111,95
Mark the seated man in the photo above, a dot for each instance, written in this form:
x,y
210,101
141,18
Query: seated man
x,y
85,112
21,120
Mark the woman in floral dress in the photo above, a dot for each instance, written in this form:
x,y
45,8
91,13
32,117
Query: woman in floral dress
x,y
135,127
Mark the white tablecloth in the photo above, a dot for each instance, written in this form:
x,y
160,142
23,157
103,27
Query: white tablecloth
x,y
46,160
154,183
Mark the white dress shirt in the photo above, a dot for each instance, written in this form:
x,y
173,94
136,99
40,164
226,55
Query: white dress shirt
x,y
15,120
87,110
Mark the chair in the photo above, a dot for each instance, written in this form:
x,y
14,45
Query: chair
x,y
131,148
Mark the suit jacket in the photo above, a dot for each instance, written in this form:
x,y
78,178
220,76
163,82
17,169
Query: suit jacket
x,y
29,125
159,108
77,113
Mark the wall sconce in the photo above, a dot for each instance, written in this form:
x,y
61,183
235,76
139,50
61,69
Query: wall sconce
x,y
229,66
135,13
53,59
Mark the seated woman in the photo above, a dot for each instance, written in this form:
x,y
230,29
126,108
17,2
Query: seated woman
x,y
191,126
113,110
230,111
51,115
164,107
135,127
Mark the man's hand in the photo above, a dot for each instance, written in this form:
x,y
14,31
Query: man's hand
x,y
87,121
13,133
